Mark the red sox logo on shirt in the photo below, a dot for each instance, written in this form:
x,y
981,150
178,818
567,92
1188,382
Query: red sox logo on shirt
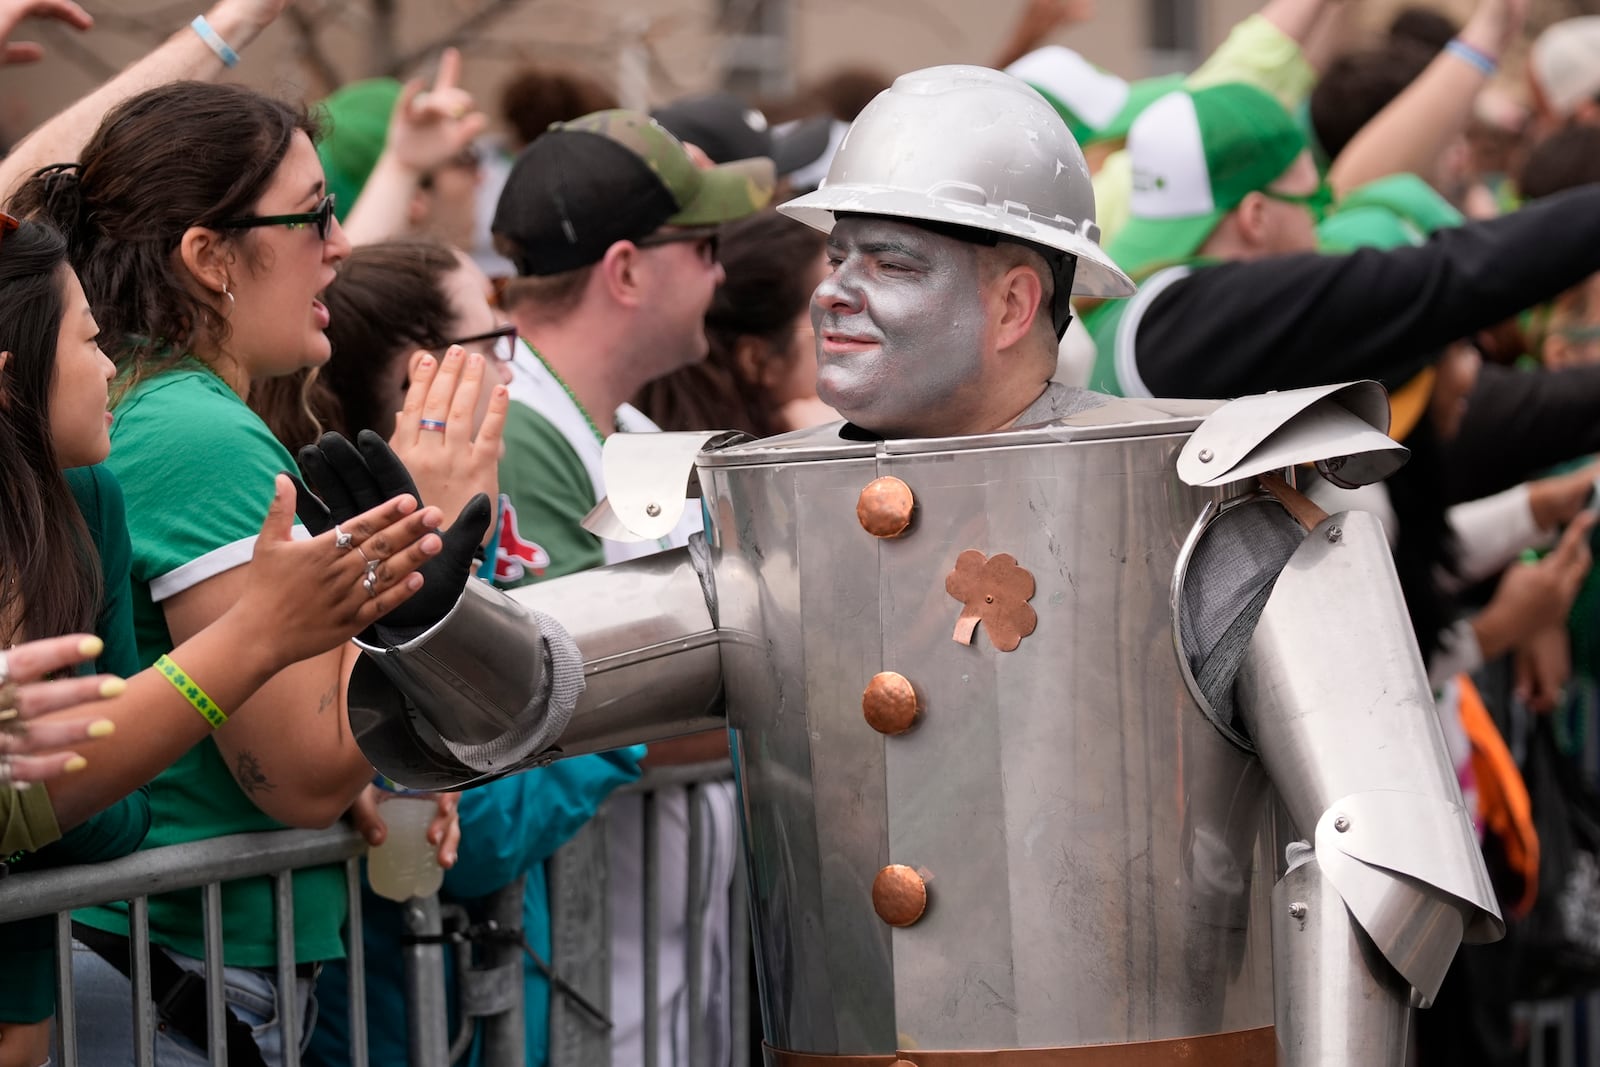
x,y
515,557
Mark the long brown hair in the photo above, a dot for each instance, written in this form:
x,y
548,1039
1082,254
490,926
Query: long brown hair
x,y
185,154
49,571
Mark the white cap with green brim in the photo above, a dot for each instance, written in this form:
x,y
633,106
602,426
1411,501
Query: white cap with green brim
x,y
1196,154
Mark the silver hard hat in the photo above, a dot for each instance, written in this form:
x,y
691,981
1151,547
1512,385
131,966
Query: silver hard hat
x,y
969,146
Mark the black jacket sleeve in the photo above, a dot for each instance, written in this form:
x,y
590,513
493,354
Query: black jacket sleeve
x,y
1519,424
1286,322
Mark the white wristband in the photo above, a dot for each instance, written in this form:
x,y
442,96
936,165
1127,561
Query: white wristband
x,y
214,41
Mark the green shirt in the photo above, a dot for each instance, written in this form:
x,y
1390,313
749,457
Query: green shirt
x,y
27,988
197,467
547,493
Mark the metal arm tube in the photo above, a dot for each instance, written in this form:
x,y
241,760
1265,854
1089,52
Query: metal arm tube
x,y
1336,998
651,663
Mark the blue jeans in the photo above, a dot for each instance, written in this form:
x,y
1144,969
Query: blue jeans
x,y
104,1001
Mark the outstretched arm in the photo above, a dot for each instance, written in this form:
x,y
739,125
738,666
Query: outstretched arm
x,y
184,56
1411,133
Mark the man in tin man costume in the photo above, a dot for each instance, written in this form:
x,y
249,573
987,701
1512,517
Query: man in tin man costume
x,y
1066,731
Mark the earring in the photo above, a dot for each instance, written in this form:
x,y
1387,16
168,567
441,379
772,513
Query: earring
x,y
227,294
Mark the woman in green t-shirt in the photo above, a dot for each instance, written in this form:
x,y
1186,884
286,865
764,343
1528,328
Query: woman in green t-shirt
x,y
64,568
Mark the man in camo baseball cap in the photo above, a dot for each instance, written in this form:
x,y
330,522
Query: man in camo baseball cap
x,y
612,176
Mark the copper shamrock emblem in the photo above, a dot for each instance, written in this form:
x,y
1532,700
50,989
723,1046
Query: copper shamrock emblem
x,y
994,591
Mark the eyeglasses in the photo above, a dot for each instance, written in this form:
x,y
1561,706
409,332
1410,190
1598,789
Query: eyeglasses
x,y
1318,201
705,239
321,217
505,342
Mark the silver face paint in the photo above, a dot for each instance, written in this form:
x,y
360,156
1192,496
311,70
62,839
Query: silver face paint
x,y
900,327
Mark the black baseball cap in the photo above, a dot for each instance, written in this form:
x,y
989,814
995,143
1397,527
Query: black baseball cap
x,y
612,176
726,129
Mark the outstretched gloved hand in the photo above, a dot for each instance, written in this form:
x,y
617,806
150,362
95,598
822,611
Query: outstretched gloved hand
x,y
350,479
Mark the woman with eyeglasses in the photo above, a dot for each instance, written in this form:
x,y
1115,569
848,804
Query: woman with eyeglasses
x,y
65,564
198,220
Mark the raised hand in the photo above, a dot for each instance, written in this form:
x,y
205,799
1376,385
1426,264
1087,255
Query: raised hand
x,y
430,126
12,12
434,435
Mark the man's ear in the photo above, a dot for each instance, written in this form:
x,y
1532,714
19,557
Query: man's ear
x,y
1250,218
208,259
621,272
1018,292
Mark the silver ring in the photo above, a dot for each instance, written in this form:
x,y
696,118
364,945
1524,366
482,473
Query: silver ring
x,y
370,562
369,582
342,539
5,668
5,770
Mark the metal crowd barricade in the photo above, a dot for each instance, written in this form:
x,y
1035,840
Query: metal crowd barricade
x,y
580,931
489,991
202,865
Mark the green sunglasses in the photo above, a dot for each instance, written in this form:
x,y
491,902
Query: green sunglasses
x,y
320,216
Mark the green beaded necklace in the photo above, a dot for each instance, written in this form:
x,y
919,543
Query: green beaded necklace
x,y
598,436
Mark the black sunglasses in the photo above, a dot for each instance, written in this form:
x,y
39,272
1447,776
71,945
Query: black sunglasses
x,y
704,237
321,217
504,348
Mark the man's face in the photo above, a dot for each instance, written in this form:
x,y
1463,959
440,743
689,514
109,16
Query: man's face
x,y
1291,226
681,274
900,325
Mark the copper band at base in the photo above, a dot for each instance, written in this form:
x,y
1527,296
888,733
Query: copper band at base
x,y
1243,1048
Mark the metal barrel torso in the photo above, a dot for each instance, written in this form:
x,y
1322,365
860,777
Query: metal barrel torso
x,y
1093,856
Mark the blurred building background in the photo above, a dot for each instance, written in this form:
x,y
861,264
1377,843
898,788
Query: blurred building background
x,y
651,50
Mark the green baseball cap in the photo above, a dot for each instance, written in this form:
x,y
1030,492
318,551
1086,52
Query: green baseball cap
x,y
1085,96
357,118
612,176
1141,94
1196,154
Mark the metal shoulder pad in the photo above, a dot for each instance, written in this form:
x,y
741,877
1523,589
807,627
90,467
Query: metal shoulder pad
x,y
1340,428
483,692
1335,696
649,481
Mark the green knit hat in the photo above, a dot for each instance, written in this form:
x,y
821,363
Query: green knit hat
x,y
1196,154
357,119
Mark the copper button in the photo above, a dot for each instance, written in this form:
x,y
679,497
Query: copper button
x,y
885,507
899,895
890,704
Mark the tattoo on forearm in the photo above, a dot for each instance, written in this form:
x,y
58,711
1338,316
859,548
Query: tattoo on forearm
x,y
247,770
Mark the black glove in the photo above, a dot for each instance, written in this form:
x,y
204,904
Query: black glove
x,y
351,479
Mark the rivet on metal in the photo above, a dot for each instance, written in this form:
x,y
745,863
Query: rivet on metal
x,y
652,510
1298,910
1206,455
1335,534
1341,824
889,703
899,895
884,507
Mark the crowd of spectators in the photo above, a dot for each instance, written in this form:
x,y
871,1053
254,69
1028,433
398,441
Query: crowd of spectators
x,y
200,280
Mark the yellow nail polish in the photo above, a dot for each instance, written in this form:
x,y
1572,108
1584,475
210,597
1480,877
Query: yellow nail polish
x,y
91,646
8,714
102,728
113,687
75,764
